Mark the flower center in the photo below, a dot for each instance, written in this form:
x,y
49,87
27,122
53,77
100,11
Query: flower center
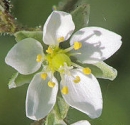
x,y
56,58
59,60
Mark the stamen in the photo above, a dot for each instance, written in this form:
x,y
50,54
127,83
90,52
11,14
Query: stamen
x,y
68,49
51,84
77,45
65,90
49,50
86,71
39,58
44,76
60,39
77,79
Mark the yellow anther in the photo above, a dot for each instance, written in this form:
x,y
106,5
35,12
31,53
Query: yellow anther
x,y
77,45
49,50
39,58
51,84
44,76
77,79
60,39
87,71
65,90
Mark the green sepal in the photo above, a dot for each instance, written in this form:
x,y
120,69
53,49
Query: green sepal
x,y
53,120
69,5
108,72
80,10
81,16
19,80
102,70
38,35
58,114
61,108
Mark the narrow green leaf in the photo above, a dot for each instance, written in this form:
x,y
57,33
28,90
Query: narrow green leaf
x,y
61,108
101,70
58,114
53,120
81,16
28,34
80,10
19,80
66,5
50,120
108,72
69,5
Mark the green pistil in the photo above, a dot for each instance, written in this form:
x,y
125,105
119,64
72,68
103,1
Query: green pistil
x,y
56,59
59,60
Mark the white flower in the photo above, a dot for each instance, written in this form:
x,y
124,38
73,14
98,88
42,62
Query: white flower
x,y
83,122
78,86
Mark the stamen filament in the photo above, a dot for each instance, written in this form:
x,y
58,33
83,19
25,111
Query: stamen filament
x,y
73,54
69,49
76,65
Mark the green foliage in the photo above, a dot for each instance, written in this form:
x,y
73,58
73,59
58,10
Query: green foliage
x,y
102,70
59,112
80,10
81,16
61,108
70,5
19,80
28,34
108,72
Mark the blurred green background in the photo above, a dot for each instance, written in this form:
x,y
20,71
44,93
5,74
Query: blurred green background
x,y
110,14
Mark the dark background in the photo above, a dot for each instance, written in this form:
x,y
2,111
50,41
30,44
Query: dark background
x,y
110,14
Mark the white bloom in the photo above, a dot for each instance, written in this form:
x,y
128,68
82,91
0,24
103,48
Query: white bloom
x,y
83,122
79,87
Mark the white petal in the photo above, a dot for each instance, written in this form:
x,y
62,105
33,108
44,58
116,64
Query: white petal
x,y
83,122
59,24
85,96
40,97
23,55
98,44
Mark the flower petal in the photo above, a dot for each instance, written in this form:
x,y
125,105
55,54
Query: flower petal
x,y
59,24
85,96
23,55
97,44
83,122
40,97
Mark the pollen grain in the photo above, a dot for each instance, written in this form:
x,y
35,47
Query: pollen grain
x,y
77,45
86,71
65,90
77,79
